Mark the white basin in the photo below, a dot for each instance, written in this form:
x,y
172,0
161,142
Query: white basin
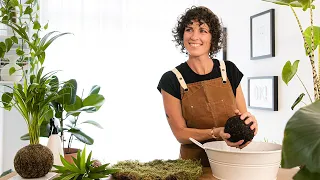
x,y
257,161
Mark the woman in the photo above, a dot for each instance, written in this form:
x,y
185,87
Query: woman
x,y
200,94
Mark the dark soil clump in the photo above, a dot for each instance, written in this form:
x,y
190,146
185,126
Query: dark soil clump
x,y
238,130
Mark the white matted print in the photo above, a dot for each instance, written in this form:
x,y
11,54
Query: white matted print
x,y
262,35
263,92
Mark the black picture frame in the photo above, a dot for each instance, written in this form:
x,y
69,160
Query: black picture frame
x,y
263,92
262,35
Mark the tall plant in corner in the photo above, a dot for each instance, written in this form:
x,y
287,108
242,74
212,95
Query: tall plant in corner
x,y
301,145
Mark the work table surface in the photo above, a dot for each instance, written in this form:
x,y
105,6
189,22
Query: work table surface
x,y
283,174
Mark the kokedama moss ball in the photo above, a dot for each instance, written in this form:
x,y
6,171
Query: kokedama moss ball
x,y
33,161
238,130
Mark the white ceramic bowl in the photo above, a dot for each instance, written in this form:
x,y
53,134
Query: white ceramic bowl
x,y
257,161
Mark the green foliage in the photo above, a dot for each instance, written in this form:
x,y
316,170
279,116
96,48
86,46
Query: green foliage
x,y
32,100
26,38
70,106
82,168
301,140
159,169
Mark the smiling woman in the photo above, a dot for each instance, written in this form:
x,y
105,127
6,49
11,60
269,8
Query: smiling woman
x,y
201,94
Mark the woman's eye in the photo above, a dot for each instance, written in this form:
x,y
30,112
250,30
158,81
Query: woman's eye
x,y
188,30
203,31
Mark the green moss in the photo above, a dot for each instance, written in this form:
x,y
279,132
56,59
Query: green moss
x,y
158,170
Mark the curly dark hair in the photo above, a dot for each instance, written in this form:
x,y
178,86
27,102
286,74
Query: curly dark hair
x,y
203,15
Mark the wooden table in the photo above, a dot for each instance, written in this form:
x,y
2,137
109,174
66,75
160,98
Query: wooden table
x,y
283,174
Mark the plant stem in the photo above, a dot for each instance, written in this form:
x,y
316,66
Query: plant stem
x,y
311,56
304,88
34,132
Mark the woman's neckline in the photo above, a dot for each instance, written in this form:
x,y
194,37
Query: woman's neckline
x,y
214,66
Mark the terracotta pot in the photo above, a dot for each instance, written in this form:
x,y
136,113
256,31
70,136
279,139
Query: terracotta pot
x,y
33,161
69,153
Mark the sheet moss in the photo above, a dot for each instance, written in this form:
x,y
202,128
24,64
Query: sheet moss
x,y
158,170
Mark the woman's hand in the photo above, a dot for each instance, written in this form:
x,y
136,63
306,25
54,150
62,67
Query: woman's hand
x,y
226,136
250,119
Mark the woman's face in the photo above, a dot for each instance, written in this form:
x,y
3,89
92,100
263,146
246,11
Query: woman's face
x,y
197,39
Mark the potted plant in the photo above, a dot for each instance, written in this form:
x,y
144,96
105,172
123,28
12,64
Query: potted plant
x,y
68,109
32,102
32,97
301,146
83,167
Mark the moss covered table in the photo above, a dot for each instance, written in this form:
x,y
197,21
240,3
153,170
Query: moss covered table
x,y
283,174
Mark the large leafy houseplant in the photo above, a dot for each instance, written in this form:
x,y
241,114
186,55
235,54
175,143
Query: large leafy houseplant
x,y
36,89
301,145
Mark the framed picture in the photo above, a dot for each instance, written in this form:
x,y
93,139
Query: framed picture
x,y
222,54
262,35
263,92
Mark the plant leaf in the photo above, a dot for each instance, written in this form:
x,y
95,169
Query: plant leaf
x,y
28,10
95,100
297,101
88,109
36,25
301,145
83,160
68,92
93,123
6,172
12,70
304,174
81,136
289,71
69,166
9,43
89,159
73,107
94,90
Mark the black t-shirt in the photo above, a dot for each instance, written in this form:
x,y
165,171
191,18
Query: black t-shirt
x,y
171,85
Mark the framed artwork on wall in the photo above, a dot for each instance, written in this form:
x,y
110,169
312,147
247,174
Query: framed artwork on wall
x,y
262,35
222,54
263,92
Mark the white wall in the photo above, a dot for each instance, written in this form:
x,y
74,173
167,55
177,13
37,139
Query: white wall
x,y
289,46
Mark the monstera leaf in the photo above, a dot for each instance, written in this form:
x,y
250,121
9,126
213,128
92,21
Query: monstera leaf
x,y
301,145
304,4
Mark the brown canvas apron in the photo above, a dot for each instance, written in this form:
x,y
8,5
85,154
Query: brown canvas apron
x,y
205,104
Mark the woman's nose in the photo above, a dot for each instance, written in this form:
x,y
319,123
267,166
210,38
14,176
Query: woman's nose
x,y
195,35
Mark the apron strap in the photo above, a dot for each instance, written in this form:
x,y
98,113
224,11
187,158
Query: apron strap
x,y
180,79
223,71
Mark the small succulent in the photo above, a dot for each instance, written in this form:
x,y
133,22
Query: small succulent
x,y
83,168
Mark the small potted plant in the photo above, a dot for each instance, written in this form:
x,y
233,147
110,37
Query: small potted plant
x,y
301,145
83,167
68,109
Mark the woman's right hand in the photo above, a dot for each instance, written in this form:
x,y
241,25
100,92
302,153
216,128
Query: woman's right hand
x,y
226,136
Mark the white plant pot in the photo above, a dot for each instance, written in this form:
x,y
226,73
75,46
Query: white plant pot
x,y
16,76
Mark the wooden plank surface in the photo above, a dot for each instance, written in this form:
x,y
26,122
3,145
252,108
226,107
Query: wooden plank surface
x,y
283,174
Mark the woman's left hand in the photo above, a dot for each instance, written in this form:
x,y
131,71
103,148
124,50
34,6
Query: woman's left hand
x,y
250,119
